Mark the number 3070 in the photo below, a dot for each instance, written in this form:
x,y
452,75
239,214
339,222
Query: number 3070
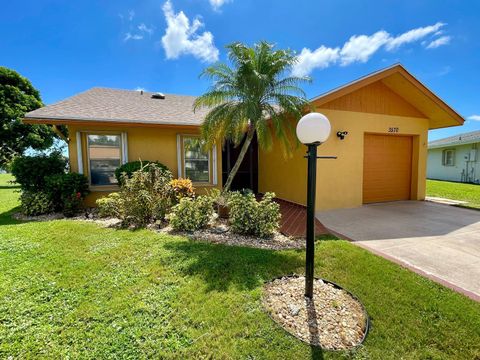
x,y
393,129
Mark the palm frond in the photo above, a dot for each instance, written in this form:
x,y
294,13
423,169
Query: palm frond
x,y
254,91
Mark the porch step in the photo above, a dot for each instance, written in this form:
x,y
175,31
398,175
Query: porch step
x,y
294,218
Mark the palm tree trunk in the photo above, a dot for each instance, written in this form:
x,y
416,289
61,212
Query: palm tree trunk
x,y
233,172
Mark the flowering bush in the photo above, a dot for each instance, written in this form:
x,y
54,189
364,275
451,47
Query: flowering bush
x,y
110,205
35,203
181,188
251,217
67,191
191,214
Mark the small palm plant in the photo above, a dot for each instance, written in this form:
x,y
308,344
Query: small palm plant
x,y
256,95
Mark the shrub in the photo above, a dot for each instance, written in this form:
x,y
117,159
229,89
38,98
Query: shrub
x,y
45,174
180,188
30,171
35,203
67,191
219,197
191,214
220,201
110,205
126,170
145,195
251,217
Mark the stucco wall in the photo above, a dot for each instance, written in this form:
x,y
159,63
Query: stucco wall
x,y
145,143
436,169
339,182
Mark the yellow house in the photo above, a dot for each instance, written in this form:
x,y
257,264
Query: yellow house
x,y
386,116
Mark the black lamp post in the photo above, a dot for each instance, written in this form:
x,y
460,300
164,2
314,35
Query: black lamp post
x,y
312,130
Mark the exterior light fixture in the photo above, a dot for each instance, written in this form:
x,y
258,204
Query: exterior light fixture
x,y
312,130
341,134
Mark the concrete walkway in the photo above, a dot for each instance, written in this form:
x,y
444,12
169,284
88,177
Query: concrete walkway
x,y
438,241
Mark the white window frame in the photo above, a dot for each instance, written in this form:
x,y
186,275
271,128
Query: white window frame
x,y
123,153
445,161
212,160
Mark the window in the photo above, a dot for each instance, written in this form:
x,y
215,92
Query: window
x,y
196,160
104,155
448,158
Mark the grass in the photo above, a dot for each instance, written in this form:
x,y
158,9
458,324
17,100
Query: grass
x,y
71,289
455,191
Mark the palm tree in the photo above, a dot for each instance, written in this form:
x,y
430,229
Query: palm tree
x,y
256,95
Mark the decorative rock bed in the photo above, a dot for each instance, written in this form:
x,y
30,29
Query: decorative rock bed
x,y
333,319
218,232
45,217
89,215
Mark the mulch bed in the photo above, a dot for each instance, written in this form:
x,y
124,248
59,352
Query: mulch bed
x,y
333,319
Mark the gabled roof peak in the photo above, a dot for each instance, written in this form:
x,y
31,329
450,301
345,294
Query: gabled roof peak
x,y
404,84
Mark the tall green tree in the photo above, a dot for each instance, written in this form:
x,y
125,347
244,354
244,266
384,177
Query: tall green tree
x,y
17,97
254,94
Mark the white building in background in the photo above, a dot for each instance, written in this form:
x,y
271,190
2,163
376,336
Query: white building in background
x,y
456,158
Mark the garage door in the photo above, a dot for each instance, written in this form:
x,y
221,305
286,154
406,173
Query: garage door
x,y
387,168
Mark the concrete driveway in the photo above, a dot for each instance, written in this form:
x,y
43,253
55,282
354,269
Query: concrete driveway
x,y
438,241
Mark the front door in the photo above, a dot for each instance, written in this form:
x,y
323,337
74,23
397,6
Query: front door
x,y
247,174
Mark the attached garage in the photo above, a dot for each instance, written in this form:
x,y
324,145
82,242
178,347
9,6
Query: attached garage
x,y
387,115
387,168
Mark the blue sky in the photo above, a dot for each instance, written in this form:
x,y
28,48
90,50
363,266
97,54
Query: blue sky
x,y
65,47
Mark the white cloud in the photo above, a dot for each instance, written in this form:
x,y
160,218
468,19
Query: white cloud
x,y
130,36
320,58
474,117
444,40
362,47
217,4
131,15
144,28
444,71
139,88
181,37
413,35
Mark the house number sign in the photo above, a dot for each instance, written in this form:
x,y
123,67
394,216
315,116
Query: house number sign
x,y
393,129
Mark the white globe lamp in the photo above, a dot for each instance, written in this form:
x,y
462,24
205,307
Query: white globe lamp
x,y
312,130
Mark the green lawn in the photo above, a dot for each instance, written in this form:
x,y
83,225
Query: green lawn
x,y
455,191
71,289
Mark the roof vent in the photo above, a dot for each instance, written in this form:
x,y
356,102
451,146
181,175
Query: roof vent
x,y
158,96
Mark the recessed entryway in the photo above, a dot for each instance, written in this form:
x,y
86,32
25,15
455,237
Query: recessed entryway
x,y
387,168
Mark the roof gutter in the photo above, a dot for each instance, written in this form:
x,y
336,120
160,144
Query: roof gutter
x,y
52,120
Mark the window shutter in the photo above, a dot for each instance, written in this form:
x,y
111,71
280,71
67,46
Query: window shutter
x,y
179,155
79,152
214,165
124,148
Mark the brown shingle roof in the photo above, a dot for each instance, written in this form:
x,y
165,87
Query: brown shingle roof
x,y
113,105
